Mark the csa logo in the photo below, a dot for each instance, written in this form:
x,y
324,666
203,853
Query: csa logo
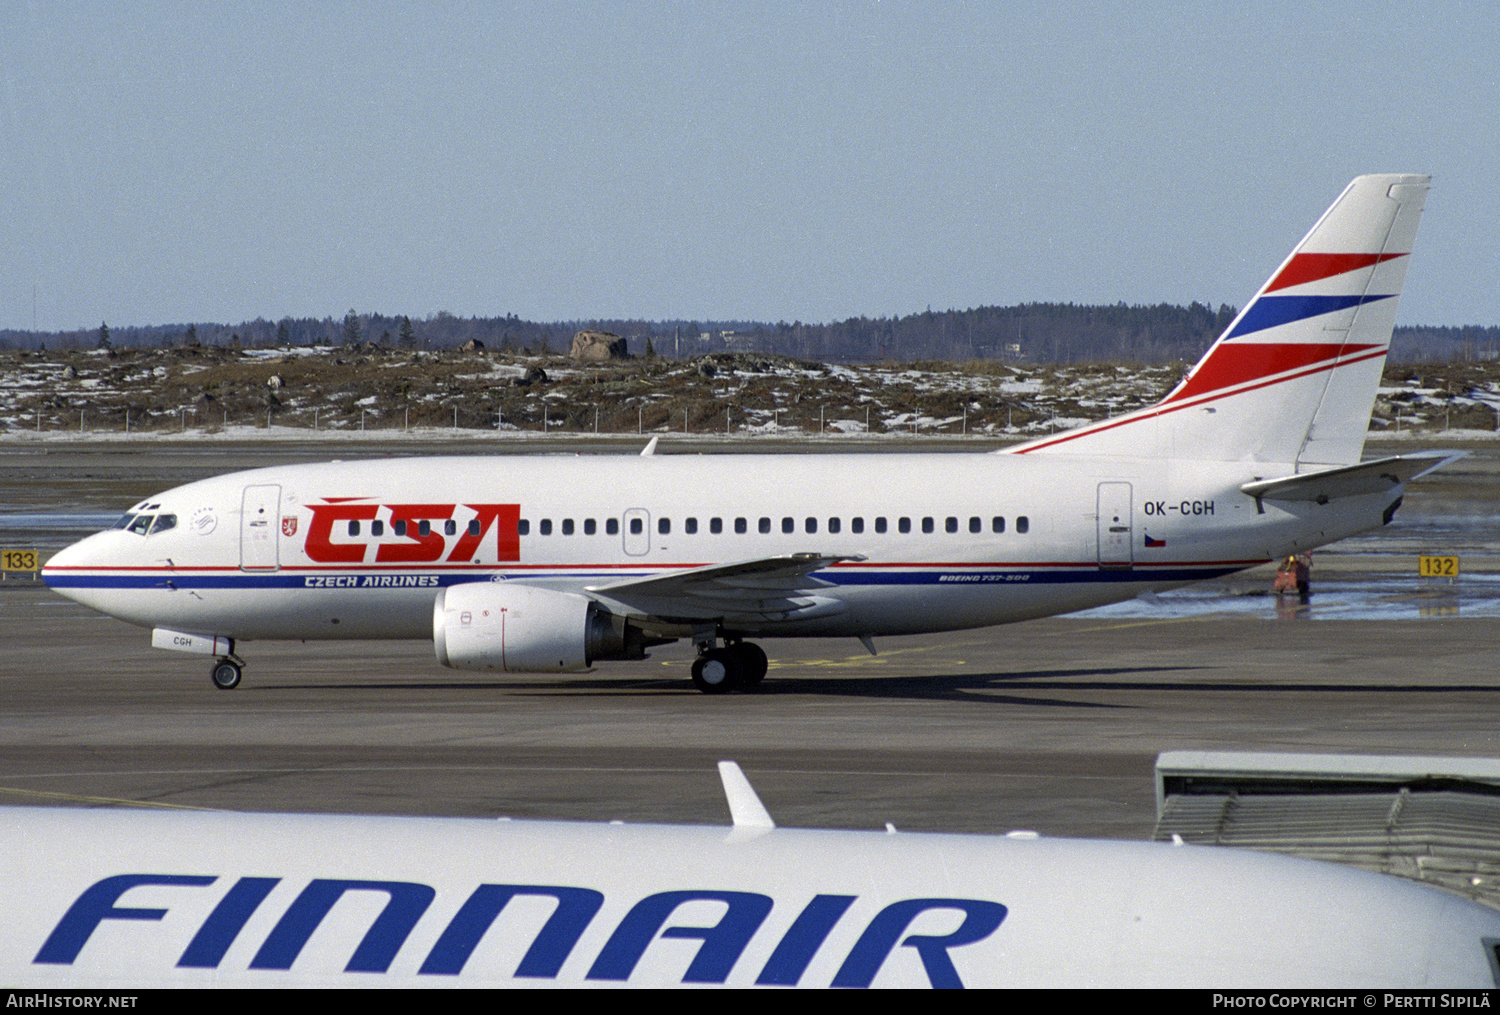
x,y
289,525
419,538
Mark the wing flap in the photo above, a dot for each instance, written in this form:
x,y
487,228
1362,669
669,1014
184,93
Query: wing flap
x,y
748,591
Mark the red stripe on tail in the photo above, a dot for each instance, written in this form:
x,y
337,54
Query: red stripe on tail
x,y
1238,362
1305,268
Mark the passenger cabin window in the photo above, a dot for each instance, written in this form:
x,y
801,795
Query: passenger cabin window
x,y
880,524
636,526
1023,524
950,524
690,526
856,525
473,526
904,525
833,525
589,527
715,525
424,527
450,528
975,524
788,525
664,526
567,526
544,527
741,526
377,528
765,525
353,528
997,524
611,526
523,527
927,525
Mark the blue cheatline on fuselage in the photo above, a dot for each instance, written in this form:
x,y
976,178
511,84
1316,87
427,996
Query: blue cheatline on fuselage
x,y
1065,574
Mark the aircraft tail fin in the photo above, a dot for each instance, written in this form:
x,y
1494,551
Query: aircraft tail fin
x,y
1293,378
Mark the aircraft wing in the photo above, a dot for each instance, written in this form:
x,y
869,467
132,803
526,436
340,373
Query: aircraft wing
x,y
758,591
1351,480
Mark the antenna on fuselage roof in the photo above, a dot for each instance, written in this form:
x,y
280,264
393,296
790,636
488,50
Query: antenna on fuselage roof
x,y
650,448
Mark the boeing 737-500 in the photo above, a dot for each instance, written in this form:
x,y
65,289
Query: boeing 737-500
x,y
549,564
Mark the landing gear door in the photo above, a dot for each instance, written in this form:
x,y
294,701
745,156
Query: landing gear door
x,y
1116,542
260,511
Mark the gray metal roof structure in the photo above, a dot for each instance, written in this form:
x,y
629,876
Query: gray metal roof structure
x,y
1429,819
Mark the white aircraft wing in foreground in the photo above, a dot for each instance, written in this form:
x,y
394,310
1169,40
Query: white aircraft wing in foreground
x,y
94,898
551,564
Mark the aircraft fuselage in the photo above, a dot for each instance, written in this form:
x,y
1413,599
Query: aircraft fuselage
x,y
358,549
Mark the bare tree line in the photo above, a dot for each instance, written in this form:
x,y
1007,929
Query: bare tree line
x,y
1051,333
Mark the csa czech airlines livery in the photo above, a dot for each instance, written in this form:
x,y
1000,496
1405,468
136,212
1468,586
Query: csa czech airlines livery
x,y
122,899
552,564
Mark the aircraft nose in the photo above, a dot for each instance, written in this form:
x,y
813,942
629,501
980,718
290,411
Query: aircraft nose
x,y
67,562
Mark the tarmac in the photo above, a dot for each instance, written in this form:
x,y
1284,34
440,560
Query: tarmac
x,y
1050,725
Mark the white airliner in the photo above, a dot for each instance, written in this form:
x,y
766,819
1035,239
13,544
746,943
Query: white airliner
x,y
137,899
546,564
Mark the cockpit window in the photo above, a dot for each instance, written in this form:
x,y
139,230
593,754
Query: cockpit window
x,y
144,524
125,520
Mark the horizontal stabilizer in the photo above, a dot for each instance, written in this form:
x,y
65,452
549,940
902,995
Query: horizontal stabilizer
x,y
1352,480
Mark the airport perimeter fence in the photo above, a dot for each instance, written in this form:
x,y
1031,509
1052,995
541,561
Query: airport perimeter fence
x,y
642,420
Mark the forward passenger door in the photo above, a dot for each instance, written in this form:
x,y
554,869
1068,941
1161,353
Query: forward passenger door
x,y
260,509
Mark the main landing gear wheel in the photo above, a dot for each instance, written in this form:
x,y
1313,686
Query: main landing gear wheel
x,y
738,666
226,674
717,671
753,664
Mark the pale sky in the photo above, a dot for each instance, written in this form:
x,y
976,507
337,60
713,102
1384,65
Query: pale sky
x,y
170,162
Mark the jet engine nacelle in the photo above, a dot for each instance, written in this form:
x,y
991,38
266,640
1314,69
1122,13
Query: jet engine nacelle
x,y
519,628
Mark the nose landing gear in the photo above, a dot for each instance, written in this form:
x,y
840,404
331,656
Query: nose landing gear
x,y
226,672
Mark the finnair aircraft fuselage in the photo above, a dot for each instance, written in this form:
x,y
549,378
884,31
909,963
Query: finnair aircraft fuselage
x,y
111,898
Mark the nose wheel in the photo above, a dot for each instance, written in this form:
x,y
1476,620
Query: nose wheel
x,y
226,673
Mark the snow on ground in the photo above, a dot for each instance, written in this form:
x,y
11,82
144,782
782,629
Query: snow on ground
x,y
300,393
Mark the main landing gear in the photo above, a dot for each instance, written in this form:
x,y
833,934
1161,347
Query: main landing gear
x,y
227,671
739,665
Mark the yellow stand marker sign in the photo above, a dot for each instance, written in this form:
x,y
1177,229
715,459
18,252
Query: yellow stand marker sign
x,y
1437,567
19,560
